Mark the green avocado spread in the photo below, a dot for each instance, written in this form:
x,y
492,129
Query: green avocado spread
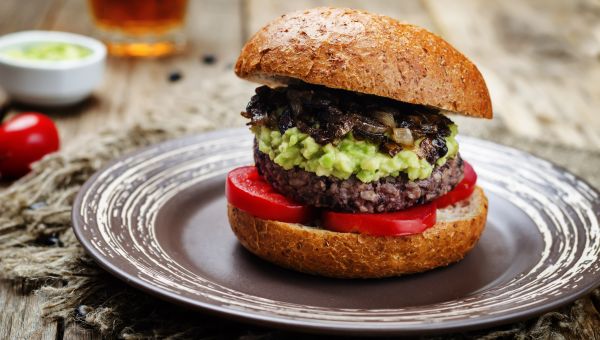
x,y
347,156
50,51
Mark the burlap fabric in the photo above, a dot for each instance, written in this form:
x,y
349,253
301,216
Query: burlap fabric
x,y
37,245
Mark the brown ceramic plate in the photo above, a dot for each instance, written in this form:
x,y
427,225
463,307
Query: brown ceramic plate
x,y
157,219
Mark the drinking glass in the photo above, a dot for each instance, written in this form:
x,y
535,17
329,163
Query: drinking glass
x,y
140,28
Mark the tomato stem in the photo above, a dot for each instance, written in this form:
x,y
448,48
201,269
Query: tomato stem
x,y
4,109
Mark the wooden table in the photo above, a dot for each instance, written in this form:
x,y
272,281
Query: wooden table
x,y
541,60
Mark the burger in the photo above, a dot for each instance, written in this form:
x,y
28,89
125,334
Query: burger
x,y
357,169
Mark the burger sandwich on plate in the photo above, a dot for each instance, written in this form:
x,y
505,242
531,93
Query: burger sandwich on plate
x,y
358,173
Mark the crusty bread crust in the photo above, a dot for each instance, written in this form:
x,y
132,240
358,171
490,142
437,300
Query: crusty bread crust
x,y
349,255
363,52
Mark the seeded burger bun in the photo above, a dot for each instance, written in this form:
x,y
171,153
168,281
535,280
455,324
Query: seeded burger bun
x,y
367,53
376,55
350,255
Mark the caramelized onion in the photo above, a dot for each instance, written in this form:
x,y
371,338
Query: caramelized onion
x,y
402,136
385,118
369,126
328,114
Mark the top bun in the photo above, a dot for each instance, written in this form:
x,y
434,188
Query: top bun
x,y
368,53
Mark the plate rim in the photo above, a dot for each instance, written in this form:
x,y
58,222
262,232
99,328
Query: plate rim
x,y
309,325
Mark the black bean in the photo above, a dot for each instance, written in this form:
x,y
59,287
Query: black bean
x,y
37,205
51,240
82,310
440,144
285,121
209,59
175,76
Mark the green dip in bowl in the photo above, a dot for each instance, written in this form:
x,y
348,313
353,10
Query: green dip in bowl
x,y
47,51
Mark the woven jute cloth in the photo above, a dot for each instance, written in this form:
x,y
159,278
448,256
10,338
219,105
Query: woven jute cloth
x,y
39,249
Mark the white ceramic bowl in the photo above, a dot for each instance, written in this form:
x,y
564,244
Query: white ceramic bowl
x,y
51,83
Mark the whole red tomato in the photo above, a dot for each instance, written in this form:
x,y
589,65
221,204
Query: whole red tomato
x,y
24,139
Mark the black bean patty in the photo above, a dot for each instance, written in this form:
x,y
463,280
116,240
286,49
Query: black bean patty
x,y
384,195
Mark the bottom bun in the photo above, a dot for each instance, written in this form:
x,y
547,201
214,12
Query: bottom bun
x,y
349,255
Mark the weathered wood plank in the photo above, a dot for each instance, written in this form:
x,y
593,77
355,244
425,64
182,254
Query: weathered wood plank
x,y
20,316
69,16
214,28
75,332
129,84
540,59
16,16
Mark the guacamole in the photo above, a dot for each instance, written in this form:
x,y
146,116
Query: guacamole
x,y
346,157
48,51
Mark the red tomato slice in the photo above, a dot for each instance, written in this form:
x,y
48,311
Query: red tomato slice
x,y
463,190
409,221
247,190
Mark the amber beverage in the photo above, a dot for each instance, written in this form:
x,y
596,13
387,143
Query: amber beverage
x,y
140,28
